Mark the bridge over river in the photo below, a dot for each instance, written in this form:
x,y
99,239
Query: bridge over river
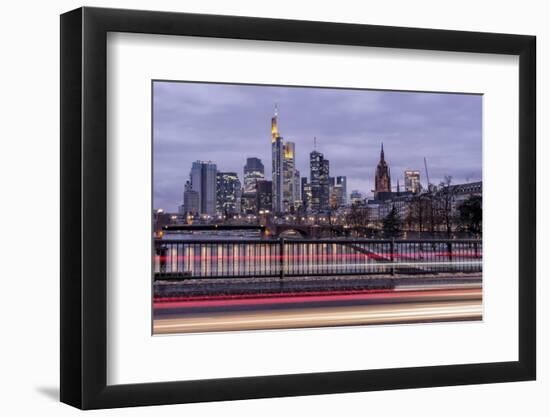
x,y
269,229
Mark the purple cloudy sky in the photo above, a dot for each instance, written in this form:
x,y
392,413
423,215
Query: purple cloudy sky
x,y
227,123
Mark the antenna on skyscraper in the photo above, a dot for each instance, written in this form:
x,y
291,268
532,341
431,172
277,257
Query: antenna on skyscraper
x,y
276,110
314,143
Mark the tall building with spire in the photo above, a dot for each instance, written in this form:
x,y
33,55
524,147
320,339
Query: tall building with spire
x,y
277,157
382,180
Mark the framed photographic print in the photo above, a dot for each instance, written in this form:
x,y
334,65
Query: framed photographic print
x,y
257,208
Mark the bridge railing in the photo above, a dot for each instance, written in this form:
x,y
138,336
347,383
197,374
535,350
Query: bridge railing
x,y
190,259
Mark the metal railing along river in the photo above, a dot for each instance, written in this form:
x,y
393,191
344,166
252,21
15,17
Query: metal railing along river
x,y
191,259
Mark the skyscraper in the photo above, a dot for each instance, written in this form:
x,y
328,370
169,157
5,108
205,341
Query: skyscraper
x,y
289,167
308,197
264,202
190,200
203,181
412,180
297,190
305,190
277,158
382,179
253,172
332,192
228,194
314,172
343,182
325,185
319,180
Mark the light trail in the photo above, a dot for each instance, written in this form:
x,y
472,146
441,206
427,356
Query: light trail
x,y
456,263
423,287
323,317
438,294
398,288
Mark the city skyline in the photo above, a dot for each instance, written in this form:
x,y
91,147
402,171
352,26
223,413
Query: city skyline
x,y
227,124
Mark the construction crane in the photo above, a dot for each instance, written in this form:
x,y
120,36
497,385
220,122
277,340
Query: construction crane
x,y
427,175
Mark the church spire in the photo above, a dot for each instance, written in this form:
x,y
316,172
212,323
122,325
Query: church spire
x,y
382,178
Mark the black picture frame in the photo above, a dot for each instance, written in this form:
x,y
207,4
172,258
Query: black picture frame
x,y
84,207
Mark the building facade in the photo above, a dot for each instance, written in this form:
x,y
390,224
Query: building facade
x,y
336,196
228,194
264,196
462,192
277,158
342,181
253,172
203,181
297,190
319,182
305,190
190,201
289,168
412,181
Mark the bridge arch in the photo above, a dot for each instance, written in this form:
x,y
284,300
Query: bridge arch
x,y
303,232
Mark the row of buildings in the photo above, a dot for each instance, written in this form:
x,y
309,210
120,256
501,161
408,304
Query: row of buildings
x,y
414,201
212,192
425,207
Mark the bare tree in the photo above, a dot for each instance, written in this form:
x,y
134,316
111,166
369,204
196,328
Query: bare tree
x,y
445,204
415,217
420,212
471,215
358,218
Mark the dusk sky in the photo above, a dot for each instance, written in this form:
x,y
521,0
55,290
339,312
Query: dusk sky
x,y
226,123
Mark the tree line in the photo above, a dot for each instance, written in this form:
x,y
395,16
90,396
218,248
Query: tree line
x,y
436,210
